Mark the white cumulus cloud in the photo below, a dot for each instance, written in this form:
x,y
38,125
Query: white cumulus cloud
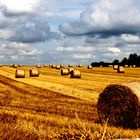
x,y
114,49
18,6
130,38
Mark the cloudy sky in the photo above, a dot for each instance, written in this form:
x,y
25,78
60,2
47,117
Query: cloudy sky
x,y
68,31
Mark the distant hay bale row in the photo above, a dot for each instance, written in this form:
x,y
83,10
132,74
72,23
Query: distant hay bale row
x,y
56,66
21,73
120,105
15,65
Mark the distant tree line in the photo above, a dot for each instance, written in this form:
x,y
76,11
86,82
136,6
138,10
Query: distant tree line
x,y
133,59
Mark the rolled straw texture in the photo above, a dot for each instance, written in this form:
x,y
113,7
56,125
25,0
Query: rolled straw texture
x,y
20,74
75,74
120,105
64,72
34,73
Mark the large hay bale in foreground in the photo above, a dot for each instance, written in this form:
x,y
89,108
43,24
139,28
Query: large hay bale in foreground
x,y
75,74
20,74
34,73
120,105
64,72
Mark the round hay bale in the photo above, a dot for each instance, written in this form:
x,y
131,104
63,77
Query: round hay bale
x,y
57,66
15,66
61,66
120,69
126,66
89,67
110,65
38,66
1,65
70,70
115,67
34,73
20,65
69,65
80,65
20,74
10,65
45,65
120,105
53,66
75,74
64,72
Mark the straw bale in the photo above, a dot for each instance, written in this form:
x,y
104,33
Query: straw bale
x,y
120,69
20,74
75,74
89,67
115,67
120,105
34,73
64,72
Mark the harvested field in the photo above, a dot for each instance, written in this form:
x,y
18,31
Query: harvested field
x,y
52,106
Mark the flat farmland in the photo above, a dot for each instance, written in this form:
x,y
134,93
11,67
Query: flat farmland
x,y
52,106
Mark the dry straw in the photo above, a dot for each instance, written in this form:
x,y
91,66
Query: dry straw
x,y
20,74
75,74
64,72
34,73
120,105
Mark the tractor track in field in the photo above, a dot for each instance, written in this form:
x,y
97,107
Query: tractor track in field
x,y
48,101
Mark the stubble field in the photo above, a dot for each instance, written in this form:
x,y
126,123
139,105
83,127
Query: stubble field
x,y
52,106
